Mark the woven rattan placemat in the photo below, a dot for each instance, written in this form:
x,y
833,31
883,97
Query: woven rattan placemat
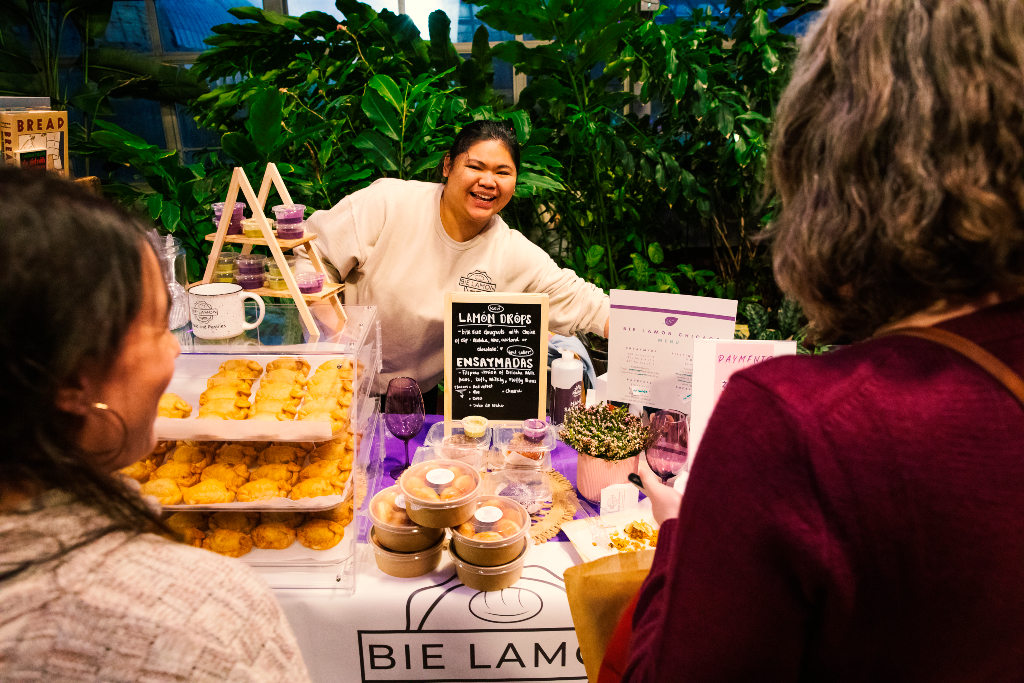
x,y
562,508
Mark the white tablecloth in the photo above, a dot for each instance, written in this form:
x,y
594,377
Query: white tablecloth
x,y
435,629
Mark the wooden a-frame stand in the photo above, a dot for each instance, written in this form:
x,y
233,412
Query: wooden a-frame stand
x,y
239,181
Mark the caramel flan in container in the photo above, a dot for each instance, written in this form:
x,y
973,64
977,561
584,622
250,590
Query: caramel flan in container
x,y
495,535
489,578
395,530
406,565
440,493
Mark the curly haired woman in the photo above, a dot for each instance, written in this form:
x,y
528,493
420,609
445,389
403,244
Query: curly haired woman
x,y
859,516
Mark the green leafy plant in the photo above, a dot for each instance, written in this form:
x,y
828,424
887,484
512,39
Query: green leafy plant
x,y
604,432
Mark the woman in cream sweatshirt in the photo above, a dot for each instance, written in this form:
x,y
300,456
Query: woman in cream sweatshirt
x,y
401,245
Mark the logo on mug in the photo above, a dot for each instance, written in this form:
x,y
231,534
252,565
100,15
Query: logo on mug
x,y
202,312
671,321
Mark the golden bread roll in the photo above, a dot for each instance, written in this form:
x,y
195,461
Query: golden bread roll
x,y
320,534
209,492
244,368
316,487
236,454
164,490
227,542
288,518
262,489
288,472
236,520
297,364
172,405
139,470
273,536
278,453
181,473
233,476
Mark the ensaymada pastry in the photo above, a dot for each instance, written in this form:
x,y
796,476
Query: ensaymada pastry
x,y
341,514
230,379
172,405
236,454
320,534
140,470
327,383
186,520
317,486
343,366
329,469
220,392
244,368
278,453
273,536
262,489
164,490
233,476
225,409
162,447
228,542
189,526
191,454
180,473
286,377
288,518
339,448
287,472
278,391
209,492
274,409
297,364
235,520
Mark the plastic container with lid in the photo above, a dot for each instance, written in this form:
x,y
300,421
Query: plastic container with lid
x,y
395,531
440,493
310,283
528,487
465,443
274,270
407,565
495,535
226,263
250,281
250,264
530,448
276,282
290,221
251,228
490,578
237,214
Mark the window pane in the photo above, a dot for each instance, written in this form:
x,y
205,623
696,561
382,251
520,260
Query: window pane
x,y
299,7
128,28
468,24
185,23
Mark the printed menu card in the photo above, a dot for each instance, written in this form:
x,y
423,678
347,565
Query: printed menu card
x,y
714,362
650,344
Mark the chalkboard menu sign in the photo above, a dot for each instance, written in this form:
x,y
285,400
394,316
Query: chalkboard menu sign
x,y
495,356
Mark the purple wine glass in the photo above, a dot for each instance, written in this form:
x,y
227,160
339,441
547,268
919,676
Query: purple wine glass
x,y
403,414
668,450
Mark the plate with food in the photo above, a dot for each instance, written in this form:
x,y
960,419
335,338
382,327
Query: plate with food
x,y
619,532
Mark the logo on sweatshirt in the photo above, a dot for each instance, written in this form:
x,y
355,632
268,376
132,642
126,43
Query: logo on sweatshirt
x,y
477,281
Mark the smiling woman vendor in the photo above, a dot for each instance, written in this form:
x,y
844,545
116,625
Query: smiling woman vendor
x,y
401,245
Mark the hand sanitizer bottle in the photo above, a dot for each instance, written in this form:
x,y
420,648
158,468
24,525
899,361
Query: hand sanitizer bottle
x,y
567,384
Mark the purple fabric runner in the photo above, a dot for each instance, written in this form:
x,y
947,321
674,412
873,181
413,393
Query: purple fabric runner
x,y
563,458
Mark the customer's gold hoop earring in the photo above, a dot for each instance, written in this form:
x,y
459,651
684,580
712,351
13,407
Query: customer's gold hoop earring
x,y
107,410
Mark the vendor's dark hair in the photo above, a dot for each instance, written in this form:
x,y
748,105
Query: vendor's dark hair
x,y
71,281
898,156
480,131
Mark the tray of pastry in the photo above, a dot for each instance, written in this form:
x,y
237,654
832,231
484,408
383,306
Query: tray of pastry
x,y
259,398
247,475
271,538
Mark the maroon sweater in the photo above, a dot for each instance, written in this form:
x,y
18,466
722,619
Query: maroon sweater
x,y
857,516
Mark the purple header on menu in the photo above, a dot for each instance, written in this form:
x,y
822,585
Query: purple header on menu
x,y
665,310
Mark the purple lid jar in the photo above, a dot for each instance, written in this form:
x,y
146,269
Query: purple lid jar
x,y
250,264
534,429
237,214
310,283
289,214
250,281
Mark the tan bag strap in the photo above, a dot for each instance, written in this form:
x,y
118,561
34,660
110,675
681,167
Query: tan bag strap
x,y
992,365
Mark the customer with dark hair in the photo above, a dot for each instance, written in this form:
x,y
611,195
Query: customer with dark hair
x,y
401,245
859,516
89,587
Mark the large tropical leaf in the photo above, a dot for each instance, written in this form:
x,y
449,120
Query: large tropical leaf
x,y
377,149
381,114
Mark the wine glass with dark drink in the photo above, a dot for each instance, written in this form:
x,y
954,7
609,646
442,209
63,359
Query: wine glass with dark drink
x,y
668,450
403,414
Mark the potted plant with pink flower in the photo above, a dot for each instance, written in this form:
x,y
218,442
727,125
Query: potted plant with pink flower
x,y
608,441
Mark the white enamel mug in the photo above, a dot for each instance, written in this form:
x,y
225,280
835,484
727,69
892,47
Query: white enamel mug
x,y
217,310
